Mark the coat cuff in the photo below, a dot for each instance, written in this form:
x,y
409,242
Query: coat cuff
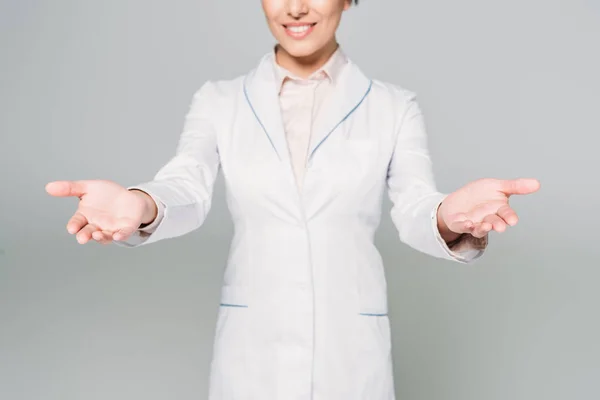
x,y
171,215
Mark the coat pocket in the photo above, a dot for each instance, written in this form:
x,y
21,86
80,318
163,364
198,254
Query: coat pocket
x,y
371,281
229,367
233,296
373,305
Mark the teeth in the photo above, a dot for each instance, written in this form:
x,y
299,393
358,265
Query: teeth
x,y
299,29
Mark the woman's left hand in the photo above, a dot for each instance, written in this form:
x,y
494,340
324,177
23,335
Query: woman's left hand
x,y
481,206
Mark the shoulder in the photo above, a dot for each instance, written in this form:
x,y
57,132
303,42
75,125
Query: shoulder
x,y
230,88
219,90
400,101
397,101
215,97
396,94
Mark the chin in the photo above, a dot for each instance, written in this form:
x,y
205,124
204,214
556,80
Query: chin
x,y
300,50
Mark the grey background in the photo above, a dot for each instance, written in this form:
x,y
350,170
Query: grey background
x,y
99,89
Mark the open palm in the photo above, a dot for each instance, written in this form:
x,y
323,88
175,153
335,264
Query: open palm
x,y
106,210
482,205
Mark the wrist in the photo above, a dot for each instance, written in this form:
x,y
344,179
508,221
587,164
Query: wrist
x,y
150,210
445,232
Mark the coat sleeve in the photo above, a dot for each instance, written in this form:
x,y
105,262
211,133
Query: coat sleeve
x,y
415,198
183,187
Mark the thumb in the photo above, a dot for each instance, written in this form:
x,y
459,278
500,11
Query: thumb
x,y
126,227
519,186
459,223
67,188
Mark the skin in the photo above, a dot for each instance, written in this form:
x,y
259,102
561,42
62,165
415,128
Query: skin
x,y
481,206
302,57
108,211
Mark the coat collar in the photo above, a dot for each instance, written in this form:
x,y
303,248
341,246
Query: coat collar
x,y
261,89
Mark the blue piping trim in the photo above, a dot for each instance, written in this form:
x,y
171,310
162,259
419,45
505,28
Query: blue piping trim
x,y
233,305
345,118
258,119
373,315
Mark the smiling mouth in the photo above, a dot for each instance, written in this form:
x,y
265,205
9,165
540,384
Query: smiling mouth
x,y
299,29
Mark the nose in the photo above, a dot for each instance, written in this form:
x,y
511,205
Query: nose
x,y
297,8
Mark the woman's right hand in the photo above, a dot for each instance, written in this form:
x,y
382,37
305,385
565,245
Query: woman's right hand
x,y
106,211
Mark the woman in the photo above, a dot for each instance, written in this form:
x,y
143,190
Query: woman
x,y
308,146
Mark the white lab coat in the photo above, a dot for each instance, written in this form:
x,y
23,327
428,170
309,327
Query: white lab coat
x,y
303,311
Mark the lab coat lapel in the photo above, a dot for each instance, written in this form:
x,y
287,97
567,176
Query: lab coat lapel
x,y
350,90
261,92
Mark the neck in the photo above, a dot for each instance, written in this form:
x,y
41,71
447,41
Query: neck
x,y
306,65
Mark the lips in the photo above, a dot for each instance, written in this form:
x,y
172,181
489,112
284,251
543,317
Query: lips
x,y
298,30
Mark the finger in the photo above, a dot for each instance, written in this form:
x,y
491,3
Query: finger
x,y
520,186
508,215
108,235
460,223
461,226
481,229
102,237
122,234
126,229
85,234
498,223
77,221
66,188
